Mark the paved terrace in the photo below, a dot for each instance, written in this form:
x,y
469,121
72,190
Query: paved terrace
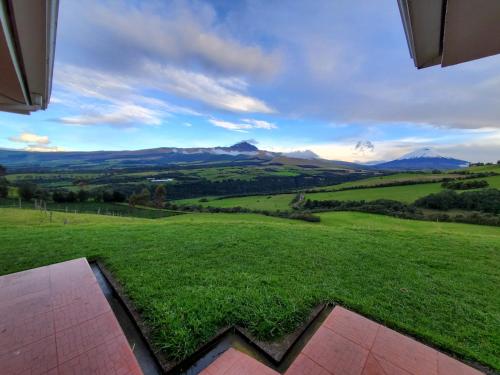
x,y
56,320
349,344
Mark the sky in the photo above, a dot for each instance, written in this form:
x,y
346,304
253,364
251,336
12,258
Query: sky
x,y
331,76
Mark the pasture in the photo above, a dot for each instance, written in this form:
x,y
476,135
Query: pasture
x,y
190,275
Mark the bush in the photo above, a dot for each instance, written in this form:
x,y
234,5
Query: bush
x,y
465,185
119,196
482,200
27,191
306,216
4,188
83,196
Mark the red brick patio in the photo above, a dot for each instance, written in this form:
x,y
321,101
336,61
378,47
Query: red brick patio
x,y
349,344
55,320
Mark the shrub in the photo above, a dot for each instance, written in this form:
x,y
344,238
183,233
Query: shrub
x,y
465,185
27,191
4,188
483,200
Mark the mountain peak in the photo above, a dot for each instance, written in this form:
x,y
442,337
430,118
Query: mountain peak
x,y
424,152
306,154
423,159
243,146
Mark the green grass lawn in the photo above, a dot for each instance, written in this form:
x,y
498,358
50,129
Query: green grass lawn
x,y
255,202
397,177
406,193
192,274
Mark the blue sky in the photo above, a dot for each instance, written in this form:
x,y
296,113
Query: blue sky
x,y
331,76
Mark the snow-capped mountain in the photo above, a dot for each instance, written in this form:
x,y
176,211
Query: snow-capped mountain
x,y
423,159
306,154
425,152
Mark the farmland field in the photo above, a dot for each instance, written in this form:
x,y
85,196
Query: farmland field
x,y
403,193
396,177
192,274
101,208
255,202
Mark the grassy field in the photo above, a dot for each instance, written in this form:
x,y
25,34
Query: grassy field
x,y
405,193
485,168
255,202
101,208
397,177
192,274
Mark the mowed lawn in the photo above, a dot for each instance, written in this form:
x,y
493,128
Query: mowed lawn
x,y
192,274
254,202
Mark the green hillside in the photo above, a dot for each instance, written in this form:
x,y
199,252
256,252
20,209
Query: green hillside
x,y
403,193
255,202
192,274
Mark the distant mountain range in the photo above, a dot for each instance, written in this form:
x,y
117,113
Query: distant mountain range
x,y
423,158
241,153
306,154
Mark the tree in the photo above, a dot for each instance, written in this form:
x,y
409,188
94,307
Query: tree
x,y
4,184
118,196
83,196
27,191
71,197
143,198
58,196
159,196
4,188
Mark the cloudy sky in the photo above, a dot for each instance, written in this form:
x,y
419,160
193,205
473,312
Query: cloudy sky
x,y
333,76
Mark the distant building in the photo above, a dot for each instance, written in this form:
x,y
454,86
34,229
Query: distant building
x,y
449,32
27,46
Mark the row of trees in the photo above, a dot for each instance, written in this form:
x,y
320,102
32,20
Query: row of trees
x,y
465,185
30,191
143,198
482,200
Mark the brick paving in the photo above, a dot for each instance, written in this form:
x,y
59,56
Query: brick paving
x,y
55,320
349,344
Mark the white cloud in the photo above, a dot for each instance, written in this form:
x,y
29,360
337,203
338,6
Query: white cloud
x,y
244,126
35,142
364,147
41,148
26,137
120,101
118,115
219,93
260,124
180,32
140,50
